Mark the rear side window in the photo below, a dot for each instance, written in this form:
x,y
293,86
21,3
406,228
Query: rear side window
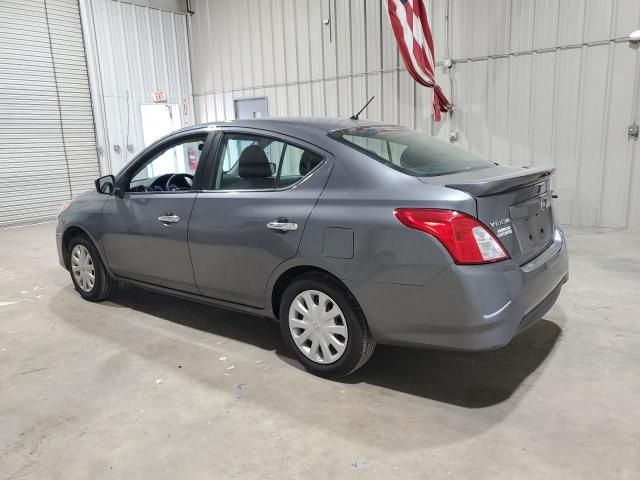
x,y
410,151
254,162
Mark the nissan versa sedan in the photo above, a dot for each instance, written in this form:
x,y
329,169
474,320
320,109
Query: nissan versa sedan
x,y
349,233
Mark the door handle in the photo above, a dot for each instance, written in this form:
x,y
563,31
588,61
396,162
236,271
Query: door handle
x,y
169,218
283,225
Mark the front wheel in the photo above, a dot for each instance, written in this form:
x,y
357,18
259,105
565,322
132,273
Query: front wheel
x,y
324,326
89,275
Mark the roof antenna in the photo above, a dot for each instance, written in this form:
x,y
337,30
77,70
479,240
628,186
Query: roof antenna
x,y
355,117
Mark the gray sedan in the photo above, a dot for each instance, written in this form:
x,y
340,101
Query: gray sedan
x,y
349,233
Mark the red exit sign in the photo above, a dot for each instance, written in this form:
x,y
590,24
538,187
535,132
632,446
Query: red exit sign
x,y
159,96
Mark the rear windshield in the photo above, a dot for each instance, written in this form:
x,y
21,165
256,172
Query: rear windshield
x,y
410,151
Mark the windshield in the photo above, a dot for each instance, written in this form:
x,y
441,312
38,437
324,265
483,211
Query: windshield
x,y
410,151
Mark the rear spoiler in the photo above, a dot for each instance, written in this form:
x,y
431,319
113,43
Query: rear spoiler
x,y
503,183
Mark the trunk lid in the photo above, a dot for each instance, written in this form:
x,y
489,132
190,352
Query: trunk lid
x,y
515,203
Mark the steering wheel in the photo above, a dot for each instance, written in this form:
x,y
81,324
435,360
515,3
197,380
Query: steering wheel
x,y
187,180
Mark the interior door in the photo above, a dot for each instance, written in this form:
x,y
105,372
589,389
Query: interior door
x,y
145,229
243,228
251,108
158,120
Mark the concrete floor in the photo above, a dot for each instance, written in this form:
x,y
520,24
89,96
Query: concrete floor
x,y
147,386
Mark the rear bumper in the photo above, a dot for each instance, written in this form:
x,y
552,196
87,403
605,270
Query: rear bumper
x,y
467,307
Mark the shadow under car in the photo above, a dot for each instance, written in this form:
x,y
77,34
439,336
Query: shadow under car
x,y
466,379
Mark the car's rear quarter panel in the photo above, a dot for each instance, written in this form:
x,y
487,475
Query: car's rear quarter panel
x,y
361,195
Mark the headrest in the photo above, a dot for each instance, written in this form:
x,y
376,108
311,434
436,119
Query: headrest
x,y
308,162
412,157
253,163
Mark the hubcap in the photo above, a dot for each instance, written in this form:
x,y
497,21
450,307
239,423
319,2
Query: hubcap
x,y
318,326
82,267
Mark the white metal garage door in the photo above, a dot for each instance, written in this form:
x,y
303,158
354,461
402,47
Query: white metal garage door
x,y
47,140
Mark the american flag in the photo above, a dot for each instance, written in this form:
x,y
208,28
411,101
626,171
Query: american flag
x,y
415,42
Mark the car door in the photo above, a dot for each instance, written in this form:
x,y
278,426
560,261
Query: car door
x,y
250,219
145,225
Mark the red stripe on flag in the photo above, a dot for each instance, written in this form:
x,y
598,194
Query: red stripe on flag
x,y
421,13
419,56
409,10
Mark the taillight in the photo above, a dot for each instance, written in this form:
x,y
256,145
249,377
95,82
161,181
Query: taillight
x,y
466,239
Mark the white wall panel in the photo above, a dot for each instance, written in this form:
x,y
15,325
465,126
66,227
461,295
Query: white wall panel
x,y
318,99
303,44
293,104
245,32
289,36
315,33
437,12
223,26
545,23
591,144
519,111
599,15
344,28
358,36
542,120
617,150
374,87
499,25
498,111
306,102
344,97
389,96
544,82
521,24
331,98
571,18
567,98
373,23
477,39
406,100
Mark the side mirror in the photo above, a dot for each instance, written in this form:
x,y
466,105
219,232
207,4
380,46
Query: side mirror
x,y
106,184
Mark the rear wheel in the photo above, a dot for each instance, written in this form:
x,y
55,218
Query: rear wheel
x,y
88,273
324,326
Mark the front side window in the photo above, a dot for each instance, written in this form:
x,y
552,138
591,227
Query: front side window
x,y
170,170
410,151
253,162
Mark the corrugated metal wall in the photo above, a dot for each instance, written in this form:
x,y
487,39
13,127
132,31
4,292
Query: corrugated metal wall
x,y
535,81
47,142
132,51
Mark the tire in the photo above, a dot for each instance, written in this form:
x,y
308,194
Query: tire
x,y
102,282
325,293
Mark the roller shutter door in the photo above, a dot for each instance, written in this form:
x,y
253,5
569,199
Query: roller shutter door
x,y
47,138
